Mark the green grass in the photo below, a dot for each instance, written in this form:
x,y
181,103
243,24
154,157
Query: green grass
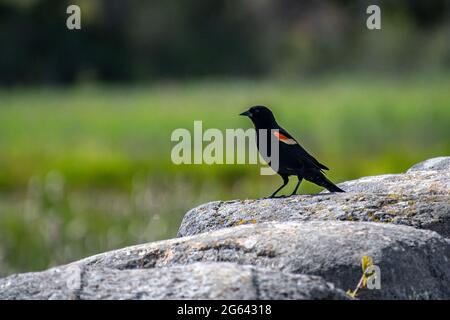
x,y
88,169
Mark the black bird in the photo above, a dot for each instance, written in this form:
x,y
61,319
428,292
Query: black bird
x,y
293,159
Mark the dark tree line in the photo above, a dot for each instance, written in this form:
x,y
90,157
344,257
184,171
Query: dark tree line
x,y
137,40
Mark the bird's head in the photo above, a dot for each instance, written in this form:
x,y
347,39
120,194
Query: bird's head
x,y
260,115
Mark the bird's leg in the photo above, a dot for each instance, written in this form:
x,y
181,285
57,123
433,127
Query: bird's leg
x,y
285,182
298,185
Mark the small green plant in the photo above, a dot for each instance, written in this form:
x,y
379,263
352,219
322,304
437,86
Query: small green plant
x,y
366,262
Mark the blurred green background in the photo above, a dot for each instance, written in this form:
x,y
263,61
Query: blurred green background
x,y
86,116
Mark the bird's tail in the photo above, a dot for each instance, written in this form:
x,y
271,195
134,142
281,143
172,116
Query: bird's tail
x,y
330,186
323,181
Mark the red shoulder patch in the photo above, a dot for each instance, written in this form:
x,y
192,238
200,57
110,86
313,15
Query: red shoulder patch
x,y
283,138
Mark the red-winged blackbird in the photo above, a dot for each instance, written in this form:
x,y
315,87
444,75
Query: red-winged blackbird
x,y
293,159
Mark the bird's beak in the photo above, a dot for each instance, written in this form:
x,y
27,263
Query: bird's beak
x,y
246,114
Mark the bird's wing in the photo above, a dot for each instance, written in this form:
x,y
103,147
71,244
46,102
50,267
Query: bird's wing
x,y
284,137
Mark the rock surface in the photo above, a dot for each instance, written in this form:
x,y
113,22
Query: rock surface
x,y
439,164
418,198
420,211
414,181
330,249
414,264
302,247
195,281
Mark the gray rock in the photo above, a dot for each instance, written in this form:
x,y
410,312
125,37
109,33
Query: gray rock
x,y
202,280
415,264
54,284
438,164
420,211
419,198
414,182
430,177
